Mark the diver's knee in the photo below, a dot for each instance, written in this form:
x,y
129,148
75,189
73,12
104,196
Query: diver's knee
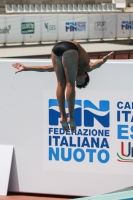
x,y
62,85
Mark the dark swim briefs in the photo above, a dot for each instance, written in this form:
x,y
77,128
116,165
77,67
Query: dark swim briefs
x,y
61,47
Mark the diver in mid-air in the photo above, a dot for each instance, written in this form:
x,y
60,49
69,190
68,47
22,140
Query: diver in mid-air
x,y
71,64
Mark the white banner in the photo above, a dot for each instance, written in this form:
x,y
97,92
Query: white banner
x,y
96,26
130,25
123,25
81,24
13,25
3,29
49,27
66,27
109,30
31,28
100,149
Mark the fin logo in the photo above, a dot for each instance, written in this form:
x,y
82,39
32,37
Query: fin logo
x,y
54,113
101,114
127,25
75,26
91,112
71,26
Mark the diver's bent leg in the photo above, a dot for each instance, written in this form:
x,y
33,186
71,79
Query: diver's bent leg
x,y
70,64
60,91
70,96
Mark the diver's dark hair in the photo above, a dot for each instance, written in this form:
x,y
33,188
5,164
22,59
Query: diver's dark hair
x,y
87,79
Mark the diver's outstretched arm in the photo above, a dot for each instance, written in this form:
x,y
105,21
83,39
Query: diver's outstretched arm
x,y
20,67
99,62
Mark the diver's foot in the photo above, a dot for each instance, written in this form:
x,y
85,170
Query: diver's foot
x,y
72,124
64,125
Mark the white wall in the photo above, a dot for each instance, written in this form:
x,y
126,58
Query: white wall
x,y
24,124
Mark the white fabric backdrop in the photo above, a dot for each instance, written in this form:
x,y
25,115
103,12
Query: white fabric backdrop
x,y
36,36
64,32
110,28
122,21
49,27
95,26
2,29
131,21
14,23
83,33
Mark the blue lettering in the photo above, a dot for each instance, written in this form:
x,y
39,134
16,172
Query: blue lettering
x,y
56,131
91,151
78,154
67,26
79,132
99,155
104,143
126,115
95,142
132,132
64,141
71,142
118,105
127,105
85,132
50,140
56,140
85,142
78,141
68,158
68,132
94,132
118,116
121,131
100,132
53,153
74,132
71,28
62,131
82,155
107,133
50,130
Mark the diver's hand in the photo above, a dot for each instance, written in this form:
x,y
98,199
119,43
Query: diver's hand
x,y
105,58
20,67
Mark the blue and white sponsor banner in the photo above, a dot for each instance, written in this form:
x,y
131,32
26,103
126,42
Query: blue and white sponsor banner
x,y
66,26
110,23
13,28
103,141
3,29
81,31
31,28
49,27
96,26
124,25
